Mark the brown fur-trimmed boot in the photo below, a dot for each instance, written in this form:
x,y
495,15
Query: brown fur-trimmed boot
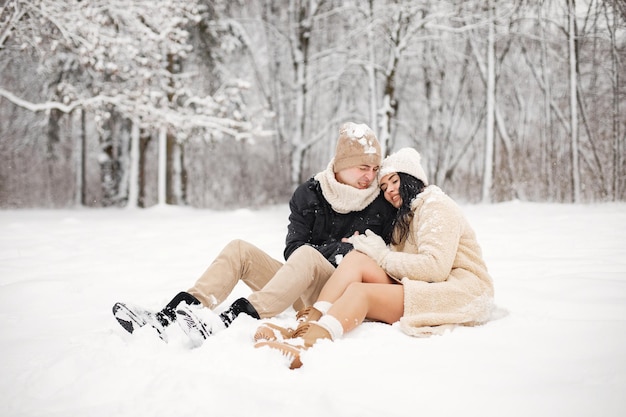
x,y
305,336
273,332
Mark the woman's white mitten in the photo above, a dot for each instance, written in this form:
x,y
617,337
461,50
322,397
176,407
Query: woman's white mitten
x,y
370,244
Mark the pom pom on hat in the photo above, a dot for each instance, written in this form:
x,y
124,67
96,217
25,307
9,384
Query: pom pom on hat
x,y
405,160
357,145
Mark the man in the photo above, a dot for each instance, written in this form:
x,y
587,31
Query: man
x,y
336,203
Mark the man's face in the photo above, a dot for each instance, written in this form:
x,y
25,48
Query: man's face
x,y
360,177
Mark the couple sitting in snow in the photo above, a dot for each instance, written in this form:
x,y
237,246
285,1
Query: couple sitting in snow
x,y
415,259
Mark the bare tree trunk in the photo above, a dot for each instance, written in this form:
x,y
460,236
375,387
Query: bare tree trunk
x,y
176,175
125,161
595,167
547,130
144,144
81,161
371,75
52,141
177,194
389,103
617,146
110,167
133,177
489,125
77,159
429,132
573,100
299,38
162,167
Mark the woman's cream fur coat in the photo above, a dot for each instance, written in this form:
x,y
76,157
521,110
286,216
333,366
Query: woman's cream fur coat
x,y
440,264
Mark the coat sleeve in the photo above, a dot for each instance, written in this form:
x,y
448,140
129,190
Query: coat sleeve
x,y
307,214
436,232
301,220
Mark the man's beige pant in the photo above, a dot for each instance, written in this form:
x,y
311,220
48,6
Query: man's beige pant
x,y
275,285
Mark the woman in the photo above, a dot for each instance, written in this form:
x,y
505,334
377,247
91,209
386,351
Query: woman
x,y
431,277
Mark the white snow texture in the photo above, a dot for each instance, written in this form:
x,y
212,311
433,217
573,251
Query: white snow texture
x,y
555,347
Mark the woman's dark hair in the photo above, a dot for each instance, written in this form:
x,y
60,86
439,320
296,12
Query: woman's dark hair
x,y
410,187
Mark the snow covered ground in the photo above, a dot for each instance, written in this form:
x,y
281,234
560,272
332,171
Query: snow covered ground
x,y
556,346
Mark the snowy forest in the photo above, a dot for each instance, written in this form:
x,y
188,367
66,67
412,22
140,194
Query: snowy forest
x,y
232,103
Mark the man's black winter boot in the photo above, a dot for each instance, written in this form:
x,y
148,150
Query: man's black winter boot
x,y
239,306
200,323
168,314
131,317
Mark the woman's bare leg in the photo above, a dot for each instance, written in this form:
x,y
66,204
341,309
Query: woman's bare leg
x,y
381,302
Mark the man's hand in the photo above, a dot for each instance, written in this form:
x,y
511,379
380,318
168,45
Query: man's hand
x,y
347,239
370,244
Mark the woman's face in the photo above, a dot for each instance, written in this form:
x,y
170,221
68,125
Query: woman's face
x,y
390,185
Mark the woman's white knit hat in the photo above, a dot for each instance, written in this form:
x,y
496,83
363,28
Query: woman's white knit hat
x,y
405,160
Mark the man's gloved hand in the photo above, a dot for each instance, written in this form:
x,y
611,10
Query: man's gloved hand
x,y
370,244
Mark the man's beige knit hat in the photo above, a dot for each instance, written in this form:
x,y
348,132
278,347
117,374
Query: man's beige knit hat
x,y
357,145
